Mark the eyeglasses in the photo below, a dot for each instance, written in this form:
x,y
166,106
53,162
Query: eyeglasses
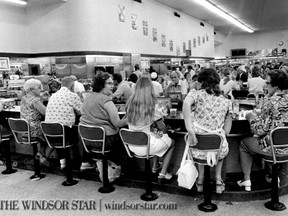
x,y
173,77
36,88
110,83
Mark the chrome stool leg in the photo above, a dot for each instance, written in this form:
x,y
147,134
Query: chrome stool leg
x,y
148,195
68,170
107,187
207,205
37,174
9,169
274,203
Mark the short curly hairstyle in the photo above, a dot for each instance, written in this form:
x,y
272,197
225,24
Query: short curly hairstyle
x,y
30,84
209,79
279,79
100,81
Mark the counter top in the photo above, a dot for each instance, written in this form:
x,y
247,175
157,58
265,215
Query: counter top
x,y
239,127
4,100
13,109
246,101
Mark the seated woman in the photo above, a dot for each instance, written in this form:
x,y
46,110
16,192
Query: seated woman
x,y
99,110
33,111
213,113
274,112
142,112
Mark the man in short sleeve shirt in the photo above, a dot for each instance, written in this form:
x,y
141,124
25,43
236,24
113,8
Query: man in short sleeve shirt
x,y
64,104
62,108
175,85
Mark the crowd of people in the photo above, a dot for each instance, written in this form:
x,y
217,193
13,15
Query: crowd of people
x,y
207,90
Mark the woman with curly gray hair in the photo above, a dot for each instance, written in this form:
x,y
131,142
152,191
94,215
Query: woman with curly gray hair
x,y
33,110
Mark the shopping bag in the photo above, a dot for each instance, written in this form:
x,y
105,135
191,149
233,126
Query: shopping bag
x,y
114,170
187,173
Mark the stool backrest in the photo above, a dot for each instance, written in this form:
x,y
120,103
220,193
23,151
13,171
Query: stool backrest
x,y
54,134
21,130
93,138
251,96
135,138
208,142
279,144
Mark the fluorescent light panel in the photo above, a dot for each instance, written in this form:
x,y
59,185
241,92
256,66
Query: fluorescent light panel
x,y
223,14
20,2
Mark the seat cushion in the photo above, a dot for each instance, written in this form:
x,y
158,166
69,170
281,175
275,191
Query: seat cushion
x,y
6,134
278,159
202,162
199,161
33,140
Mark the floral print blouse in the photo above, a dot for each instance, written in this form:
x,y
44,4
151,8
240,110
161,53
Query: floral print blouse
x,y
210,111
29,112
274,113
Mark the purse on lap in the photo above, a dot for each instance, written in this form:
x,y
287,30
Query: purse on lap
x,y
158,128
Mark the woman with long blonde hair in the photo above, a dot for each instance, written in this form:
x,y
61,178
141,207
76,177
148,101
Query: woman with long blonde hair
x,y
142,112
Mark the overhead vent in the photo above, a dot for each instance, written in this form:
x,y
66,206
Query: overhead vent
x,y
176,14
238,52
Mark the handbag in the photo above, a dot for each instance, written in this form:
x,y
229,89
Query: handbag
x,y
158,128
187,173
114,170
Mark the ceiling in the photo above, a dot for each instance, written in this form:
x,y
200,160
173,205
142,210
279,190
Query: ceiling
x,y
260,15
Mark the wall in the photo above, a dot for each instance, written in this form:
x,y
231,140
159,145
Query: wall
x,y
86,25
14,33
252,42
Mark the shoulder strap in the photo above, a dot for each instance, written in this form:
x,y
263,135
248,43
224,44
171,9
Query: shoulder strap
x,y
186,154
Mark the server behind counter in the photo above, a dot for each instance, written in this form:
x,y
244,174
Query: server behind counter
x,y
175,85
123,91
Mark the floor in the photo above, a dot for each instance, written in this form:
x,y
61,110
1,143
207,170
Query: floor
x,y
17,192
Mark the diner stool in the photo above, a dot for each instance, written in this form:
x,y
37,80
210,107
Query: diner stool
x,y
140,139
55,136
279,142
209,142
5,137
93,140
21,131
